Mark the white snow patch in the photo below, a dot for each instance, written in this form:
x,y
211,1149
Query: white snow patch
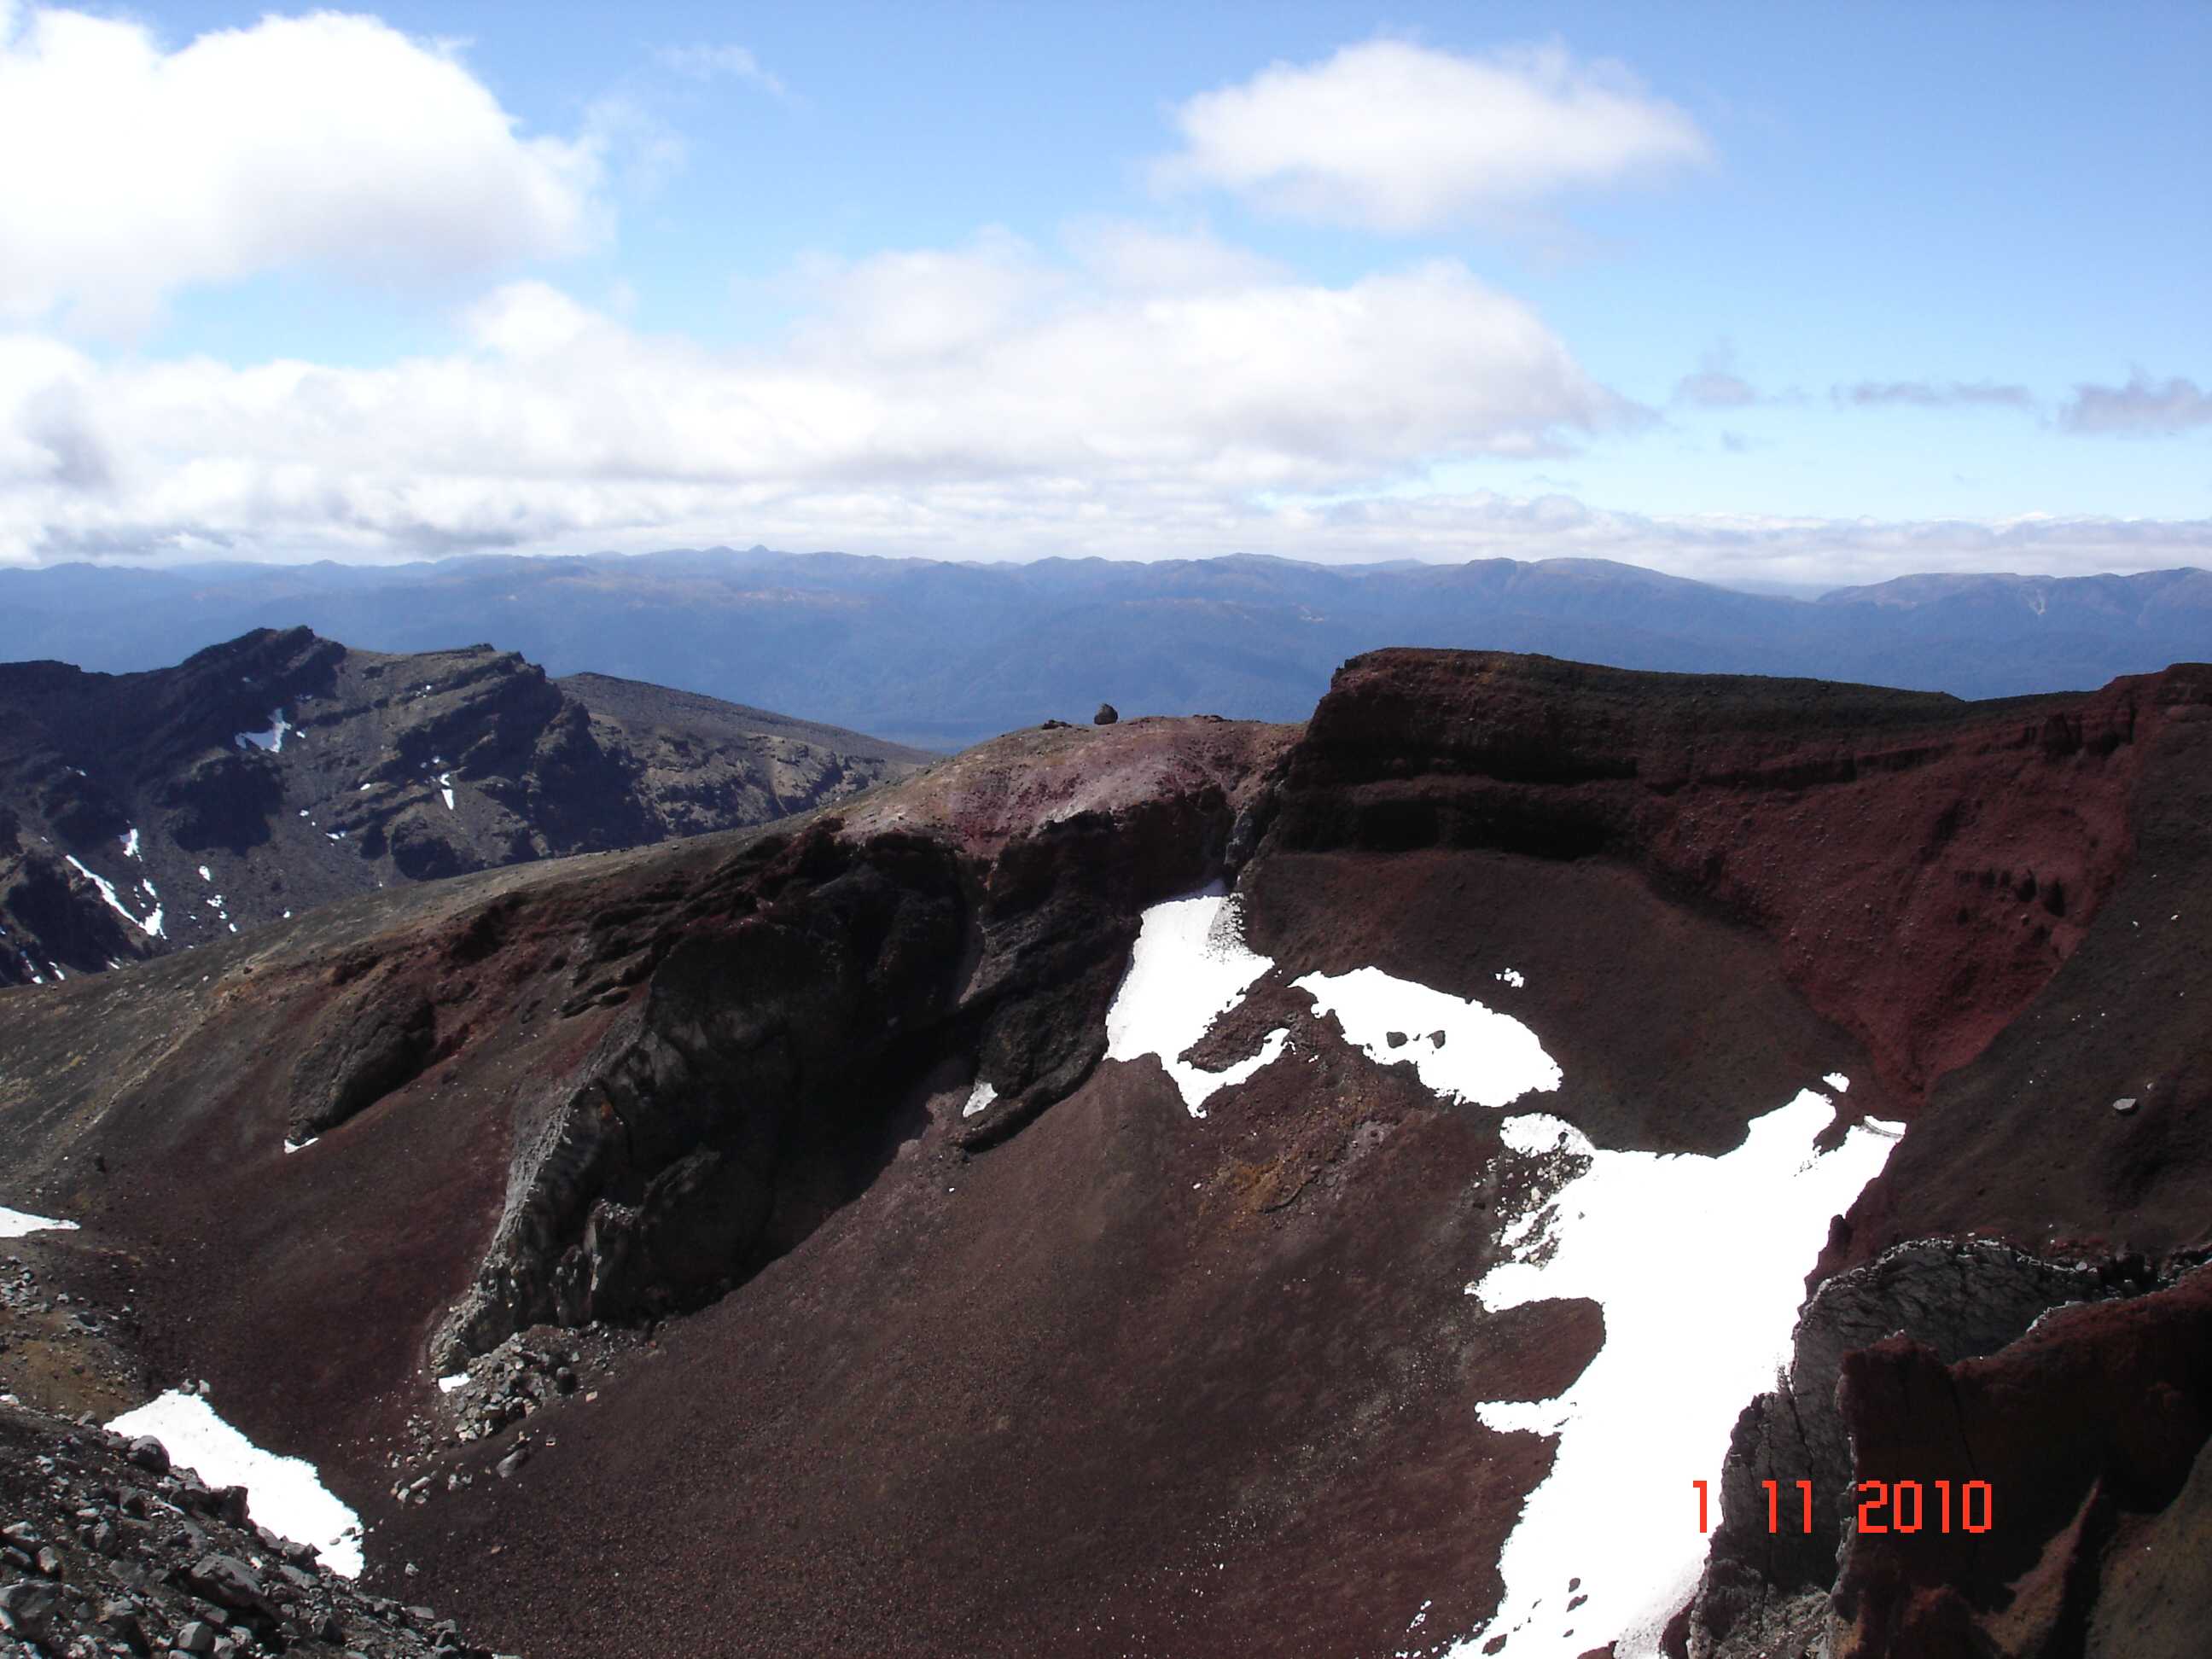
x,y
1648,1416
284,1494
1484,1058
446,788
1190,966
151,926
204,875
272,740
131,844
1512,976
979,1099
291,1147
1836,1081
14,1224
364,789
458,1380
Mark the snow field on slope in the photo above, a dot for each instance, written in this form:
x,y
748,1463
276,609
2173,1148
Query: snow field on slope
x,y
284,1494
1697,1321
1699,1265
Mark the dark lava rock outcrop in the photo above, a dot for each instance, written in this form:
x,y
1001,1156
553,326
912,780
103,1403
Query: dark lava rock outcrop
x,y
948,1334
146,812
1768,1592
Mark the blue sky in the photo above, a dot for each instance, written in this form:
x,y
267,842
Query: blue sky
x,y
1776,293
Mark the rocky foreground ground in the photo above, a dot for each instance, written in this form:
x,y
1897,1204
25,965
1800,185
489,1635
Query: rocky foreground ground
x,y
108,1550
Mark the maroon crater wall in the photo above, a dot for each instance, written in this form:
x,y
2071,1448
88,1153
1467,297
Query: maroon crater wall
x,y
1925,865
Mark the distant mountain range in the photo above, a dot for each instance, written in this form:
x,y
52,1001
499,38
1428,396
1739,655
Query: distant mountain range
x,y
943,654
144,813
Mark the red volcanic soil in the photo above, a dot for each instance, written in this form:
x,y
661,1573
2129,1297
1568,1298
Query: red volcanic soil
x,y
2023,1142
1087,1375
1083,1395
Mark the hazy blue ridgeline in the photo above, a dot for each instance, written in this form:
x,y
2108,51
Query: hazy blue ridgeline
x,y
943,654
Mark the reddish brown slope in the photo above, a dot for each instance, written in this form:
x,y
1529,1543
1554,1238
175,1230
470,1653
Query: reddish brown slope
x,y
1120,1381
1923,863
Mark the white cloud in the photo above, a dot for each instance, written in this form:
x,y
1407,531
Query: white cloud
x,y
926,392
1140,258
2143,408
1750,548
1141,398
327,140
712,62
1933,394
1397,136
1712,388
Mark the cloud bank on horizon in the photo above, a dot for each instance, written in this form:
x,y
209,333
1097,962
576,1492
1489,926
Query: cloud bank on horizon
x,y
1353,370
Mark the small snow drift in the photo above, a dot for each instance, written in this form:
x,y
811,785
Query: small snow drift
x,y
271,741
1461,1049
1190,966
14,1224
151,926
284,1494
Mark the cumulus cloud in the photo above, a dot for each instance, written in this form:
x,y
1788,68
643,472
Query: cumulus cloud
x,y
1084,419
2143,408
1932,394
927,392
326,140
1393,135
1135,395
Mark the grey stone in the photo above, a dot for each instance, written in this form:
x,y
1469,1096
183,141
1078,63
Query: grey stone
x,y
26,1606
228,1581
148,1453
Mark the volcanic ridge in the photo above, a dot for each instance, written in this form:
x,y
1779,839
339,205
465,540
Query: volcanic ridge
x,y
1189,1187
144,814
